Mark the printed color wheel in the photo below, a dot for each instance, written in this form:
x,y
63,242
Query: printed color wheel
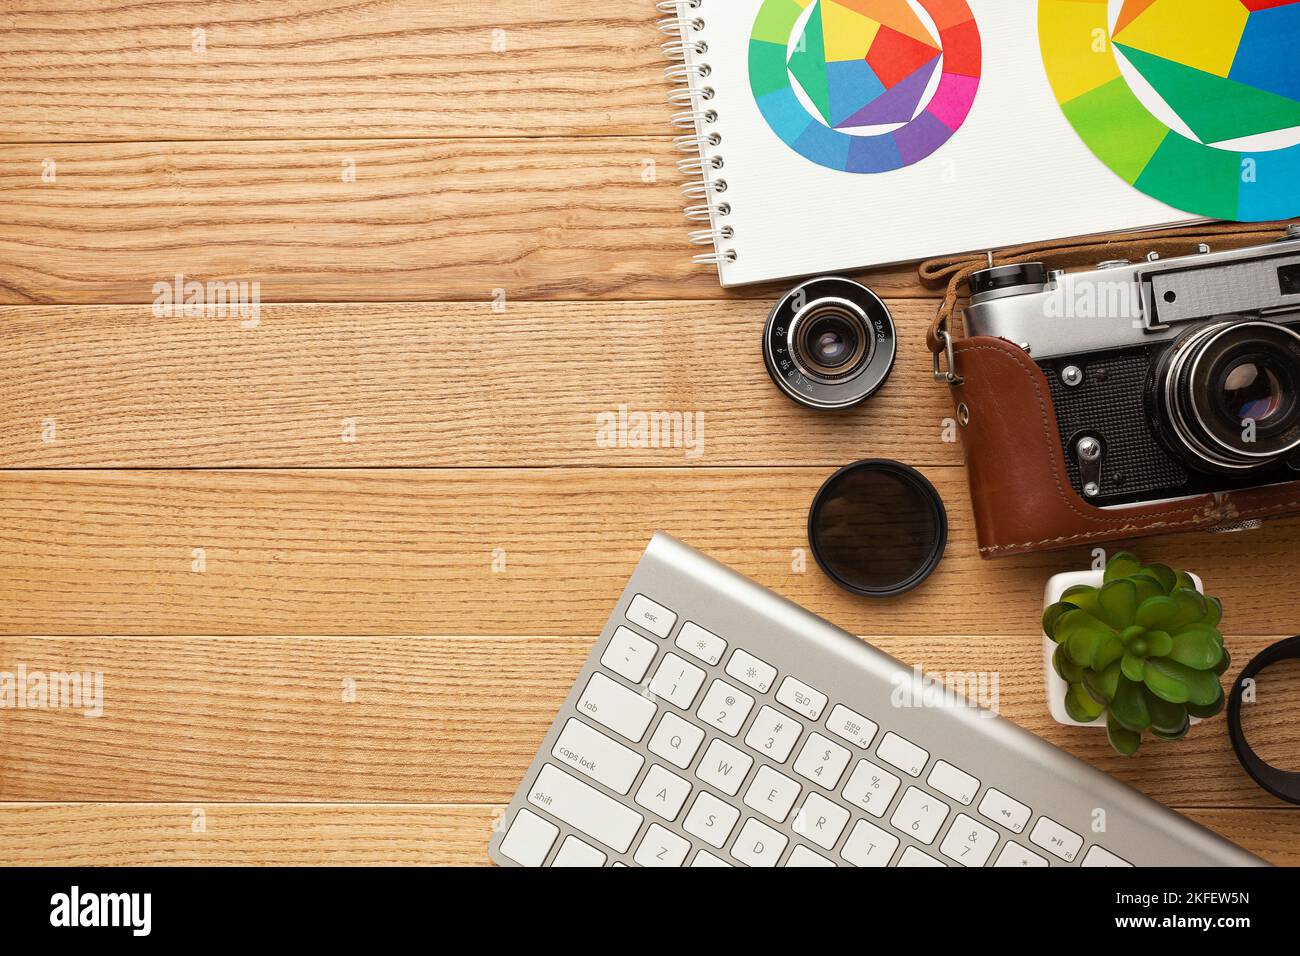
x,y
864,86
1194,102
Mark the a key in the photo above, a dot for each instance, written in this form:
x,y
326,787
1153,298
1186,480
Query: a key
x,y
751,671
802,856
1013,854
724,767
612,705
773,734
772,794
1000,808
1100,856
953,782
851,726
1056,839
529,839
914,857
711,820
573,852
969,842
801,698
870,788
869,845
603,759
903,754
758,844
725,708
820,821
701,644
629,654
676,681
705,858
919,815
584,808
655,618
661,847
676,741
663,793
822,761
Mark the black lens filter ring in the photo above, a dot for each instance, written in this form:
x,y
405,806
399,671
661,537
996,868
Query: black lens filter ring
x,y
1283,784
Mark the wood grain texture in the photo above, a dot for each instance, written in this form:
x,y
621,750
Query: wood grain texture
x,y
434,385
86,70
411,552
97,834
423,221
455,720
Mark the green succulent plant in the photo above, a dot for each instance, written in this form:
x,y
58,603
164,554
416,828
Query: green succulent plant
x,y
1144,649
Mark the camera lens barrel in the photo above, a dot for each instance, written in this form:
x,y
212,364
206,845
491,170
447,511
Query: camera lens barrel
x,y
1229,394
830,343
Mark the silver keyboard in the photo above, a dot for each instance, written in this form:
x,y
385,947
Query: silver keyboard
x,y
717,724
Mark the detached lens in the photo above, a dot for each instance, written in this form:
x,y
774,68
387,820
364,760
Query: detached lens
x,y
878,528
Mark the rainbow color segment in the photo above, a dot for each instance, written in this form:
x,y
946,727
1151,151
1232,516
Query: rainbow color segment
x,y
865,66
1227,69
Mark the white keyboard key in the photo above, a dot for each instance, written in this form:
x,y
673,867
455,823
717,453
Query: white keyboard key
x,y
676,741
758,844
1000,808
820,821
655,618
602,759
772,794
868,845
1055,839
585,808
969,842
802,856
953,782
914,857
1013,854
711,820
822,761
629,654
612,705
773,734
619,865
801,698
1100,856
573,852
870,788
661,848
663,793
724,767
701,644
919,815
725,708
852,726
903,754
676,681
529,839
705,858
749,670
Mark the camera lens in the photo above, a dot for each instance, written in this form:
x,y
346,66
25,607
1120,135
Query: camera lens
x,y
829,343
1230,394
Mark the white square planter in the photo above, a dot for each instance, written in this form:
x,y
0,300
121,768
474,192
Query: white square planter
x,y
1057,688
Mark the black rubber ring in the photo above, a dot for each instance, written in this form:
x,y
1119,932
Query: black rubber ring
x,y
1283,784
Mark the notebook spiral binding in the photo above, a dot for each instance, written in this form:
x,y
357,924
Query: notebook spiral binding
x,y
683,22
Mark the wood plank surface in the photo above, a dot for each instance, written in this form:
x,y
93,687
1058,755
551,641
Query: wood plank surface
x,y
458,719
310,69
437,385
424,220
411,552
99,834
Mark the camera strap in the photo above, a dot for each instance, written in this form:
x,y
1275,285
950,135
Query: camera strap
x,y
1284,784
952,272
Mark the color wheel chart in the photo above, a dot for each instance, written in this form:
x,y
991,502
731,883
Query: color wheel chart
x,y
1194,102
865,86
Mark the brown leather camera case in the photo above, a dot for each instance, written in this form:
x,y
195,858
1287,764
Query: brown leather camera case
x,y
1022,496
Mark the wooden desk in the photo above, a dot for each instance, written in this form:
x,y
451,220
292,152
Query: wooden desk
x,y
339,568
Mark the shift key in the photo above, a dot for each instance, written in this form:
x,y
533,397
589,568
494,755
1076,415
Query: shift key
x,y
585,808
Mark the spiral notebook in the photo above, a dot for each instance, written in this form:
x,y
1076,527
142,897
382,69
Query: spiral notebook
x,y
830,135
